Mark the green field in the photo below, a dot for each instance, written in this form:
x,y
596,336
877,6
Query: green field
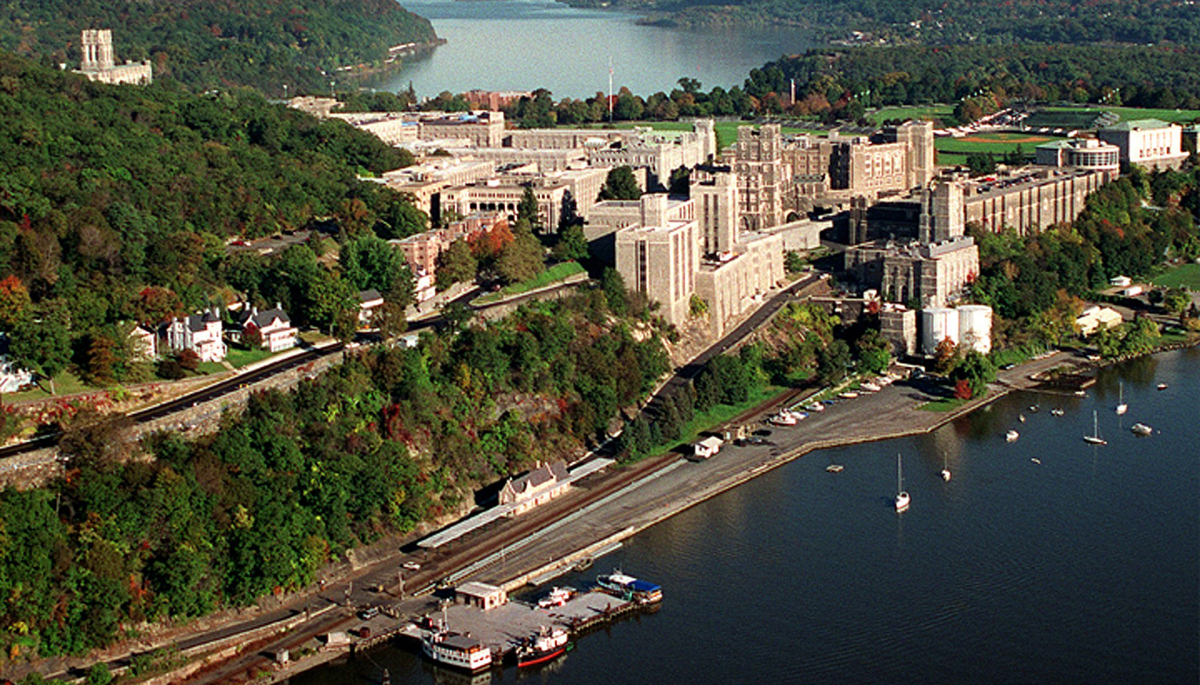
x,y
726,130
554,273
934,112
1180,116
1187,276
952,151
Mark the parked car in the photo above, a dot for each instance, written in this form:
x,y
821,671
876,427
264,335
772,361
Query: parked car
x,y
412,566
368,613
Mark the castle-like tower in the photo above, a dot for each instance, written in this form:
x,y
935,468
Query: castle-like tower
x,y
98,63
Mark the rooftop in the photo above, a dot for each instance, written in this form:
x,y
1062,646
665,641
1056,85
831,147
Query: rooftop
x,y
1139,125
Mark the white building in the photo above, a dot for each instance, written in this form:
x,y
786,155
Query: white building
x,y
1147,142
144,343
98,63
542,484
200,333
272,325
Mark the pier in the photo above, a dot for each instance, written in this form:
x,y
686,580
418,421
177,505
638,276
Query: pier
x,y
503,628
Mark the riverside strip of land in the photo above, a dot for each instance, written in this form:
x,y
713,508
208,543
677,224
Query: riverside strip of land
x,y
610,506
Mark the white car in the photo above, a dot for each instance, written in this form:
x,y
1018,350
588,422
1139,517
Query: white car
x,y
412,566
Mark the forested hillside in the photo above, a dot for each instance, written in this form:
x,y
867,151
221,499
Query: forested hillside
x,y
941,21
116,204
215,43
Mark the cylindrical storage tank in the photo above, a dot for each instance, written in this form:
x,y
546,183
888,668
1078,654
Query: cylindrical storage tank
x,y
937,324
975,327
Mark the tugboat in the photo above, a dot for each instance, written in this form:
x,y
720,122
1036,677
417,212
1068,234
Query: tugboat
x,y
460,651
630,588
546,644
557,597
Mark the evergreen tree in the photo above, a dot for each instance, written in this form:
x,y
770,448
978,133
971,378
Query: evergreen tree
x,y
620,185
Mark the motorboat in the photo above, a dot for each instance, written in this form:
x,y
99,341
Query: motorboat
x,y
784,418
1057,411
628,587
869,387
558,596
815,406
542,646
1094,438
1141,429
902,498
848,395
1162,386
1011,436
835,468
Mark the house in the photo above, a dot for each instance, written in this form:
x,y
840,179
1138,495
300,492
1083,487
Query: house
x,y
707,447
144,343
200,333
1092,318
369,302
542,484
273,326
13,377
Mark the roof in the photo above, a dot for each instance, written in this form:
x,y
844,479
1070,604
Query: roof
x,y
541,475
198,322
477,589
370,295
461,642
711,442
1139,125
263,318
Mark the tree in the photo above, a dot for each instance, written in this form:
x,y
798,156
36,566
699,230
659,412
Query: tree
x,y
456,264
568,214
945,355
572,244
14,302
977,370
100,360
42,342
527,209
620,185
523,258
370,262
614,290
833,361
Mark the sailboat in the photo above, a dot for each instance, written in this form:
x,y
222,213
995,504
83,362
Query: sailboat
x,y
1121,406
902,499
945,469
1094,438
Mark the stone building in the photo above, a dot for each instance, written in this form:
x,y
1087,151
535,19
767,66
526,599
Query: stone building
x,y
733,281
1031,200
659,258
503,195
424,182
98,63
1150,143
933,275
761,177
717,209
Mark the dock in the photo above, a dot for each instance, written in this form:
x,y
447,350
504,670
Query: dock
x,y
503,628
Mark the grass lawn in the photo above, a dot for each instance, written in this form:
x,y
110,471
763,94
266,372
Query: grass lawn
x,y
934,112
712,418
945,404
65,383
955,150
206,368
239,358
1181,116
554,273
1187,276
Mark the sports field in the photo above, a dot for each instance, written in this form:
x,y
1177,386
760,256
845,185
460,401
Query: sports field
x,y
952,151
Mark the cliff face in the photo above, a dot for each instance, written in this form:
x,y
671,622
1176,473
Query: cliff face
x,y
220,43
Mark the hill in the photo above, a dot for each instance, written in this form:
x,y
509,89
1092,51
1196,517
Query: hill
x,y
215,43
942,21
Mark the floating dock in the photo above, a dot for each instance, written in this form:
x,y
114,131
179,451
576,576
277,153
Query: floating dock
x,y
503,628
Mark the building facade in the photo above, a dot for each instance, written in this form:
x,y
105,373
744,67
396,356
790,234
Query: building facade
x,y
1150,143
660,258
98,63
200,333
760,172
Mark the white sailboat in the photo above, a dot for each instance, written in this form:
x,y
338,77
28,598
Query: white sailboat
x,y
902,498
1094,438
945,469
1121,406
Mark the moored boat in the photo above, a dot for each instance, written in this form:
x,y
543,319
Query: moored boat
x,y
1162,386
784,418
628,587
558,596
1011,436
1141,429
546,644
457,650
834,468
902,498
1094,438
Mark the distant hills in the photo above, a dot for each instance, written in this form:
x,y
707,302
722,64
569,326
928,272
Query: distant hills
x,y
941,21
220,43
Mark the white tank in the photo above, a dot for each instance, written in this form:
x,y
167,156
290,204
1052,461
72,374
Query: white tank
x,y
937,324
975,327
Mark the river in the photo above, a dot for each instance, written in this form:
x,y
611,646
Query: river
x,y
530,44
1081,569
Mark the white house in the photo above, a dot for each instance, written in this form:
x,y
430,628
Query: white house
x,y
369,302
542,484
274,327
13,377
200,333
1092,318
144,343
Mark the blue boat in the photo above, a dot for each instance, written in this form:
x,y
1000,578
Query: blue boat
x,y
629,588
